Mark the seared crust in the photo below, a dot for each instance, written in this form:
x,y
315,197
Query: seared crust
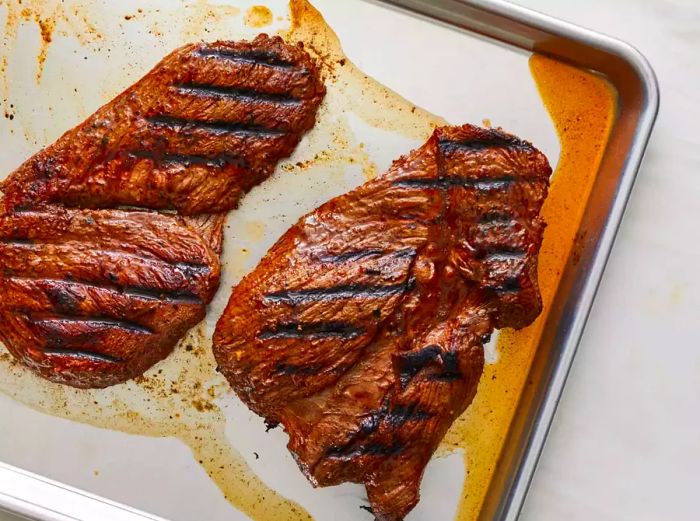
x,y
196,133
109,238
362,329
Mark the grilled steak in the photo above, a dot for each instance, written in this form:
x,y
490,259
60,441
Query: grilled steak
x,y
362,329
109,238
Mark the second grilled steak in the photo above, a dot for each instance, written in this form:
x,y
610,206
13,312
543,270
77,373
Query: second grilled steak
x,y
109,238
362,329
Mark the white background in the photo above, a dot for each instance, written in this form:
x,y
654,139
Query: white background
x,y
625,444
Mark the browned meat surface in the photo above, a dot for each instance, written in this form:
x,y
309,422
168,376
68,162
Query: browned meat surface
x,y
362,330
205,125
109,238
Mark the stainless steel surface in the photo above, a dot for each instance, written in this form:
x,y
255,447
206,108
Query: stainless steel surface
x,y
38,498
35,497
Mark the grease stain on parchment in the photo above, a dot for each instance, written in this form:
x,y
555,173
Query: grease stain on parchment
x,y
258,16
49,16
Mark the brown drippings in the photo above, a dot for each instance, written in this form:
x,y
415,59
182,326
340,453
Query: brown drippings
x,y
48,15
178,397
175,398
582,107
258,16
46,27
354,91
203,18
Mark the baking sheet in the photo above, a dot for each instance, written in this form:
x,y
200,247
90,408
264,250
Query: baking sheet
x,y
456,76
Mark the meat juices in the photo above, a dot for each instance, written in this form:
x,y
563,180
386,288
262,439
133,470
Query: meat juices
x,y
110,237
362,329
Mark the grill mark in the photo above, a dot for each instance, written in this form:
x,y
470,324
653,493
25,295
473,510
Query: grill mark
x,y
402,414
17,242
496,217
134,208
187,160
175,297
127,325
172,297
396,416
190,268
508,286
351,255
252,57
370,252
294,369
234,93
346,453
504,255
314,330
302,296
450,369
82,355
483,184
215,127
24,209
410,364
448,145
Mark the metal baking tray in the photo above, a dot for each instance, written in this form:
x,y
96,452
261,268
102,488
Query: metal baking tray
x,y
427,48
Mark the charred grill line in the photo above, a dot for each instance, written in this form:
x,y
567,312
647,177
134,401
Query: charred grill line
x,y
252,57
314,330
401,414
190,268
351,255
395,416
370,252
215,127
187,160
172,297
234,93
83,355
102,322
509,286
134,208
302,296
450,369
11,241
410,364
483,184
447,146
496,217
293,369
505,255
